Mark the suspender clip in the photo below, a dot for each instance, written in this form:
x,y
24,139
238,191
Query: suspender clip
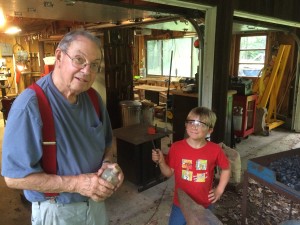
x,y
49,142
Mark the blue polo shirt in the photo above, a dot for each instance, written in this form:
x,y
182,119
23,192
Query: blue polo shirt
x,y
80,135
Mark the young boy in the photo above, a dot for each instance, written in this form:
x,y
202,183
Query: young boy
x,y
192,161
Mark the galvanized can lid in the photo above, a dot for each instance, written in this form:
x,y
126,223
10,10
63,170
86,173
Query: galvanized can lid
x,y
130,103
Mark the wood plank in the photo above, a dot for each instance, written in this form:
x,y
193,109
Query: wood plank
x,y
152,88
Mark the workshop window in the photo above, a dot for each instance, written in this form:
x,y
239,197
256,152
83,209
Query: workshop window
x,y
252,55
184,60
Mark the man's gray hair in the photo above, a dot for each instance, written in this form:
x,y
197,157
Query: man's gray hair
x,y
73,36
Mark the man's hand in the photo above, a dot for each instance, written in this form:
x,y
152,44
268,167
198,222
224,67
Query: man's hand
x,y
92,186
113,165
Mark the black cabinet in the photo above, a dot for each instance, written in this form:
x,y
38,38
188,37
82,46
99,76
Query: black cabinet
x,y
136,162
134,149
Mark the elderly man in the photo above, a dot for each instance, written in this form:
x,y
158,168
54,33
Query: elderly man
x,y
83,140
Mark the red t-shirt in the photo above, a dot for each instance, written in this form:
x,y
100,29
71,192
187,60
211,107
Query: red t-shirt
x,y
194,169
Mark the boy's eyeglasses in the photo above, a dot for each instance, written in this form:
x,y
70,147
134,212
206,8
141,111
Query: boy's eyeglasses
x,y
80,62
197,124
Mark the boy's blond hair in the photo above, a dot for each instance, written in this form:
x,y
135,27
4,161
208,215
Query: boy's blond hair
x,y
205,115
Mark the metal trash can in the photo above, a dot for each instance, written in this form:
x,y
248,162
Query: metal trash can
x,y
131,112
147,116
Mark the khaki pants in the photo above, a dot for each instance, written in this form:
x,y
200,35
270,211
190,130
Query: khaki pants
x,y
79,213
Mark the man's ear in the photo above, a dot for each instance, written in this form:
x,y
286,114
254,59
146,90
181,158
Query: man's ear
x,y
58,54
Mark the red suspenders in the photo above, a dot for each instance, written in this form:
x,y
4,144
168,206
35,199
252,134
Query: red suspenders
x,y
49,162
93,96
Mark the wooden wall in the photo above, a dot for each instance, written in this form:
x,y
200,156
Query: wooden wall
x,y
119,59
31,46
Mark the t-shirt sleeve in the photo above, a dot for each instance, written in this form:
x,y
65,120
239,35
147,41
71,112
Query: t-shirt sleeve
x,y
21,148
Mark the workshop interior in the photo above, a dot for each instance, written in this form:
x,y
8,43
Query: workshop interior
x,y
163,58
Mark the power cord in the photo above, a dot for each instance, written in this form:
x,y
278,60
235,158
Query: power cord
x,y
157,206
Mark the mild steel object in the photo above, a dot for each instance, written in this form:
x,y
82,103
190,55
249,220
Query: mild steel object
x,y
257,169
194,213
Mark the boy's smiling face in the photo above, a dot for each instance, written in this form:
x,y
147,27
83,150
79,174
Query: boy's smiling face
x,y
197,128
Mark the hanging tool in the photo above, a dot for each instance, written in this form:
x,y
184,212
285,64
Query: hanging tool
x,y
155,149
168,95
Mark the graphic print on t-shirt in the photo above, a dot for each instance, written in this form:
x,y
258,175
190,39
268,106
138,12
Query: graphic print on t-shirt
x,y
187,172
201,164
186,166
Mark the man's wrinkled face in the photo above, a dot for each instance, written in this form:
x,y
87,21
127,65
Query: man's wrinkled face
x,y
79,65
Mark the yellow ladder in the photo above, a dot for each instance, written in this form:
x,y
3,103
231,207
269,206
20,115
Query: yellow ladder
x,y
269,93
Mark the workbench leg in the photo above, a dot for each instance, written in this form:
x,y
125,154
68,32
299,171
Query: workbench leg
x,y
245,196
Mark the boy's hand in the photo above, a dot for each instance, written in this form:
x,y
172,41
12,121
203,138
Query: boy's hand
x,y
214,195
157,156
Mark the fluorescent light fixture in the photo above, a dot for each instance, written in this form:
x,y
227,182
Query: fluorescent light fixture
x,y
13,30
262,18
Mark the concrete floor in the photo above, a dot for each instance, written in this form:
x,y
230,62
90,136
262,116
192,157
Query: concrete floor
x,y
152,206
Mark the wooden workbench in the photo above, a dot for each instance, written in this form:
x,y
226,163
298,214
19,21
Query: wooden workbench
x,y
151,93
152,88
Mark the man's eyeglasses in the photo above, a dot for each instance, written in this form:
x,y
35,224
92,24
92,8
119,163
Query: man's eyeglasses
x,y
80,62
197,124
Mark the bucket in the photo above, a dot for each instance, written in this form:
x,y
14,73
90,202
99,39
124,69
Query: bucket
x,y
237,118
131,112
147,112
148,115
237,123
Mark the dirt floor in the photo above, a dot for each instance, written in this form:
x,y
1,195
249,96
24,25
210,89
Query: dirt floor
x,y
152,206
264,206
15,210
